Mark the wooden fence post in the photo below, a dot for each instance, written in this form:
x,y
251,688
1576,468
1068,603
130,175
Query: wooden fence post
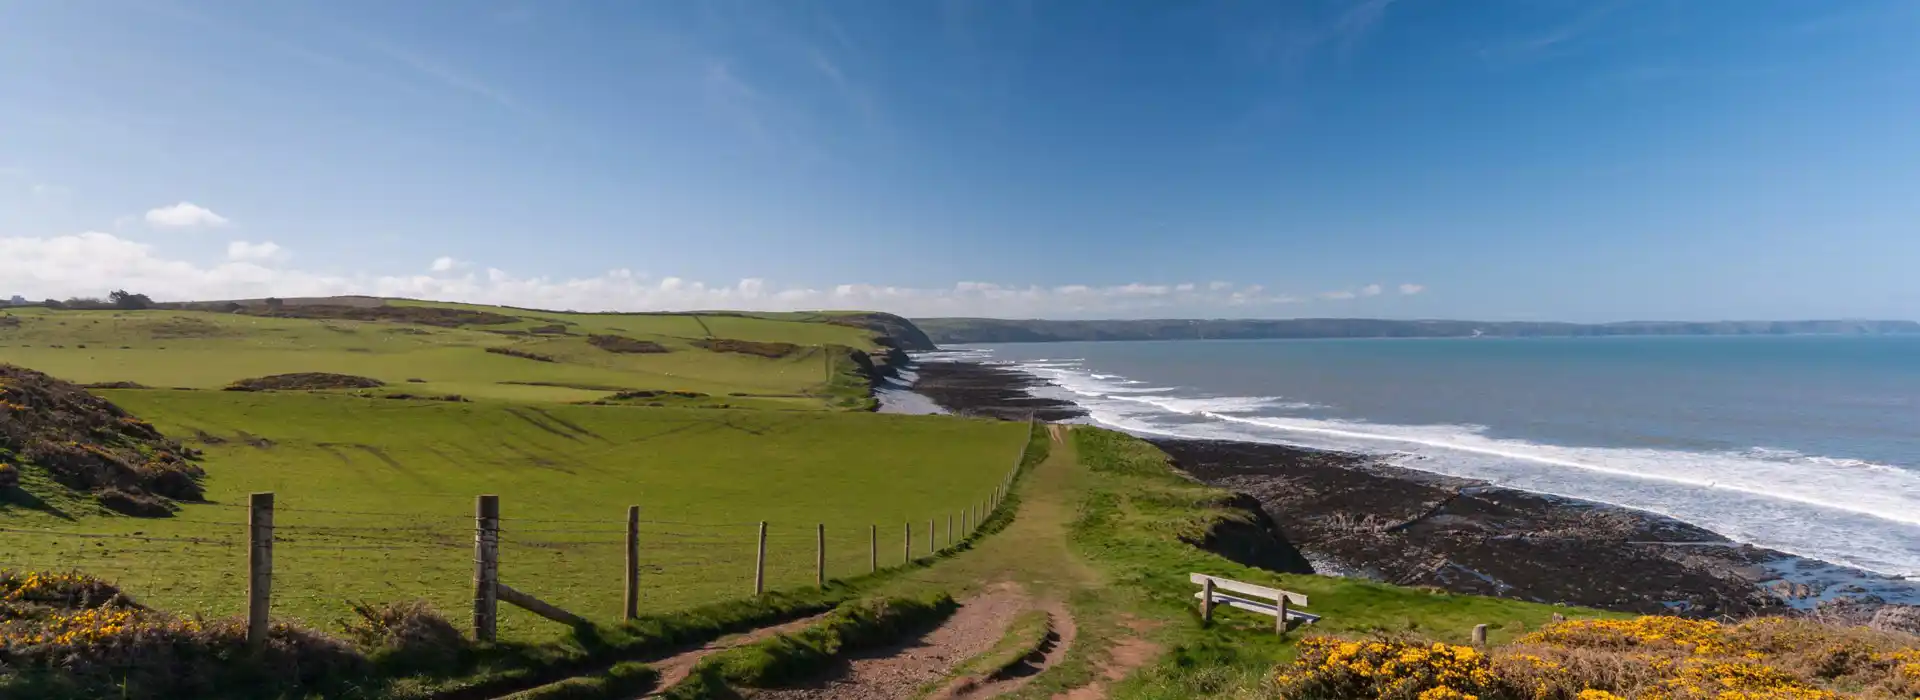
x,y
909,550
760,562
820,555
1480,636
949,529
1206,600
931,545
873,548
486,567
259,567
630,609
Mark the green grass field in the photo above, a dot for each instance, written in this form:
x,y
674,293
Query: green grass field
x,y
206,350
375,499
375,496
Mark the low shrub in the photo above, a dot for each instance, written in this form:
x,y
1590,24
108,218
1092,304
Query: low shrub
x,y
623,344
522,354
1657,658
69,635
305,381
747,347
407,634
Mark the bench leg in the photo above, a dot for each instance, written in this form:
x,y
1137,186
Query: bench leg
x,y
1206,602
1280,621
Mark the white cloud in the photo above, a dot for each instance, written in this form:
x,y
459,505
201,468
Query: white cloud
x,y
1371,290
262,251
184,215
91,263
1337,295
446,264
1412,289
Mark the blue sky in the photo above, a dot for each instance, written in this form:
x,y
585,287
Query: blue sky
x,y
1497,159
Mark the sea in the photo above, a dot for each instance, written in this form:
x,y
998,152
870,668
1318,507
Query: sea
x,y
1805,444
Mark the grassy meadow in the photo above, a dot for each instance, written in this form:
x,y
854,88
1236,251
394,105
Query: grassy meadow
x,y
208,350
375,495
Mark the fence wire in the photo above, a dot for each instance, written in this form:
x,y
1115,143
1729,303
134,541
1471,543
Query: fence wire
x,y
325,558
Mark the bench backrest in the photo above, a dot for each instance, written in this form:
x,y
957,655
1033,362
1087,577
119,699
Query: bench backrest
x,y
1273,594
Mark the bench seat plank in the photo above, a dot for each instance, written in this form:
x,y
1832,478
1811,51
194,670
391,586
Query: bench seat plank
x,y
1259,607
1249,589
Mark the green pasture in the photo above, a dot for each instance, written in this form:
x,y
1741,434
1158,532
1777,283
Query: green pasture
x,y
795,328
375,499
207,350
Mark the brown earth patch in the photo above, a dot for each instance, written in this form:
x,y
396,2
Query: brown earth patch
x,y
623,344
674,669
1061,634
522,354
1127,655
114,385
900,671
571,385
748,347
423,315
302,381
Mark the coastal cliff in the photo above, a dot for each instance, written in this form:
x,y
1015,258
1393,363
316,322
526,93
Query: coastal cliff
x,y
990,330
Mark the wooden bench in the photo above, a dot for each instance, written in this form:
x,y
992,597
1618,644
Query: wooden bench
x,y
1252,598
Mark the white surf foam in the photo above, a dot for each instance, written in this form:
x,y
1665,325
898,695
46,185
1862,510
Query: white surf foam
x,y
1844,511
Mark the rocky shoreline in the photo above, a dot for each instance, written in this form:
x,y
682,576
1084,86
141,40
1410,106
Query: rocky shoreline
x,y
1354,515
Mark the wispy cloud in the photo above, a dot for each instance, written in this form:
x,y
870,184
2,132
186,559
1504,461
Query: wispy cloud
x,y
736,99
184,215
1551,42
438,71
1410,289
263,251
1357,22
85,263
856,97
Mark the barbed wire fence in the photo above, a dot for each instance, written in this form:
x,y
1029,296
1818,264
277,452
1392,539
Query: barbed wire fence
x,y
288,557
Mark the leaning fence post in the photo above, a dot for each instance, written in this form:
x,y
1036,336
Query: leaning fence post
x,y
931,545
873,548
820,555
909,540
486,567
760,562
949,529
1480,635
631,607
259,567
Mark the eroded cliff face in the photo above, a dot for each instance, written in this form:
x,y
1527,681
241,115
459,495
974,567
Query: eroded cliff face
x,y
1254,541
902,333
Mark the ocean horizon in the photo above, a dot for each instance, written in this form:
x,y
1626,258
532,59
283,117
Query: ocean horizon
x,y
1809,445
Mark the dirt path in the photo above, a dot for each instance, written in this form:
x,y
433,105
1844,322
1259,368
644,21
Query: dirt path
x,y
1126,656
901,671
674,669
1015,677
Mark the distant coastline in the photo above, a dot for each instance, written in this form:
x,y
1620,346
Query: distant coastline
x,y
961,331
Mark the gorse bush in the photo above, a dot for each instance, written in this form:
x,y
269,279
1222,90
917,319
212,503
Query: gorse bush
x,y
1652,658
69,635
410,634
